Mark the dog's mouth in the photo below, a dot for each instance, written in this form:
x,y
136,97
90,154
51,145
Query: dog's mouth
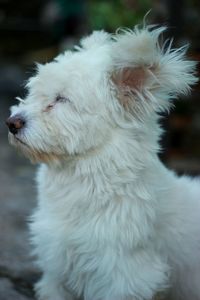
x,y
21,142
15,140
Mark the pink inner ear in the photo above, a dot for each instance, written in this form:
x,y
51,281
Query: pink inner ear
x,y
130,77
133,77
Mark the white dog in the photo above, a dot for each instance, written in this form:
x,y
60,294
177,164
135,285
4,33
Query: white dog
x,y
112,223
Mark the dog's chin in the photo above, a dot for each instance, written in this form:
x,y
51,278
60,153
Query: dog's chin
x,y
17,142
35,155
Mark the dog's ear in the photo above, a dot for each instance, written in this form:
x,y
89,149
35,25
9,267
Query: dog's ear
x,y
145,72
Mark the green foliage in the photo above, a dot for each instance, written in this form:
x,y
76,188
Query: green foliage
x,y
110,15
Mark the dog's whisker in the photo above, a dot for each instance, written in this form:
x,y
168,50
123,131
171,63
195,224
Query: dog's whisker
x,y
20,99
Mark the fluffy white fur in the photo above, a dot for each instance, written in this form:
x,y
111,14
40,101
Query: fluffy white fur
x,y
112,223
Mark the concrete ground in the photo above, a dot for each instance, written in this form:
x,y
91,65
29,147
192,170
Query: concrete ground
x,y
17,200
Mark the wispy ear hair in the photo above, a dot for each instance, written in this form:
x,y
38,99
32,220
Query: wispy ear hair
x,y
141,66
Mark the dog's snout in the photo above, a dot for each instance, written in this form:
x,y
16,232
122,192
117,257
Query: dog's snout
x,y
15,123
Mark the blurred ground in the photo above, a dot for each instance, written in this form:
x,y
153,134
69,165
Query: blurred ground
x,y
17,199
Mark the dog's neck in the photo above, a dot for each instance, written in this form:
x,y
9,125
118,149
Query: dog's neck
x,y
123,150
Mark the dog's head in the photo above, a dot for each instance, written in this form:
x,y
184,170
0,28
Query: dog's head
x,y
76,102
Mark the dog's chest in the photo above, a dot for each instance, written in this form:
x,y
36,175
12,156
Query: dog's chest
x,y
78,224
82,224
97,207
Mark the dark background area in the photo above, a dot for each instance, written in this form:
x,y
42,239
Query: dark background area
x,y
36,31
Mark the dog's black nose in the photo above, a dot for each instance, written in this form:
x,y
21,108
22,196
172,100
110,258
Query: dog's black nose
x,y
15,123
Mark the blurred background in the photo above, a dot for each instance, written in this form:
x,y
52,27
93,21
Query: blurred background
x,y
36,31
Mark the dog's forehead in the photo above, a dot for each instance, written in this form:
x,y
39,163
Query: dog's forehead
x,y
49,78
53,75
68,70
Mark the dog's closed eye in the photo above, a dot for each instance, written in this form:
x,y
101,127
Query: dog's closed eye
x,y
60,98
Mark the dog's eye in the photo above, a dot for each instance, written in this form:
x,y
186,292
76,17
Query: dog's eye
x,y
60,98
